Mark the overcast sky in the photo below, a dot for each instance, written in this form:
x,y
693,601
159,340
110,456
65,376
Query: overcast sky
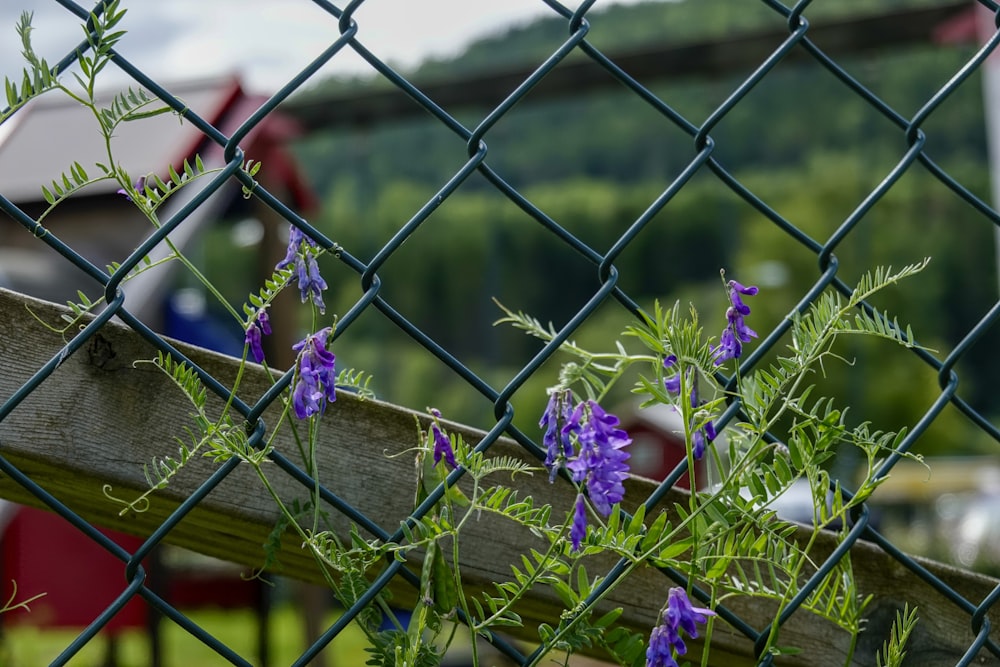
x,y
268,41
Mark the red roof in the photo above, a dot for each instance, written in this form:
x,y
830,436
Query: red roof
x,y
42,141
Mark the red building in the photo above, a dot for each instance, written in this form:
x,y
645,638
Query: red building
x,y
657,447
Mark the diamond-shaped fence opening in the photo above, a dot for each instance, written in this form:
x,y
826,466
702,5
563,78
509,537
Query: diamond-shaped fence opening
x,y
80,416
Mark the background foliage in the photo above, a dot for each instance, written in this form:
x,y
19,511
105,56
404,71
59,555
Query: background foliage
x,y
594,164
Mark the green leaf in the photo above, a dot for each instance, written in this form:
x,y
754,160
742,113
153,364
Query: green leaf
x,y
774,487
158,183
636,523
566,594
609,618
756,485
11,92
508,619
675,549
718,568
140,115
174,176
582,582
444,586
781,469
655,532
614,520
795,453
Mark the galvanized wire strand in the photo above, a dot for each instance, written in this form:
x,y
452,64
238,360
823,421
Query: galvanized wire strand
x,y
525,86
98,623
929,578
701,138
192,628
54,242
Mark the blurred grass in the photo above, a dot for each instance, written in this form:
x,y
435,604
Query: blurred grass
x,y
31,646
26,646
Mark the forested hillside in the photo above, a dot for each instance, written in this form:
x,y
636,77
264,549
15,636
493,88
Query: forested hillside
x,y
801,141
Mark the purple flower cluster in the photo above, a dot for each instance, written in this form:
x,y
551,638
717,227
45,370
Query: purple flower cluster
x,y
558,446
259,326
601,459
316,379
599,465
701,436
665,642
442,445
301,253
736,332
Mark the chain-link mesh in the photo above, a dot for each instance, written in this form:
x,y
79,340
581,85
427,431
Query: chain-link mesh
x,y
702,161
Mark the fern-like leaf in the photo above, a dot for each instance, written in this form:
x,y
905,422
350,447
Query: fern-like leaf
x,y
186,378
355,381
882,277
481,466
36,79
533,327
893,650
272,287
69,183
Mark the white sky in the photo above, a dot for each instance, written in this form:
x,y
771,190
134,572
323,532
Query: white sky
x,y
267,41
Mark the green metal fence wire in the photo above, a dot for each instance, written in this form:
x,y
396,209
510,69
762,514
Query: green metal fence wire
x,y
476,138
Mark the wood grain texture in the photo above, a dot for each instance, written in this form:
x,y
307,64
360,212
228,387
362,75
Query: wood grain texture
x,y
99,417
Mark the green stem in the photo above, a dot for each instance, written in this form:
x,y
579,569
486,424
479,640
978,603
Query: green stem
x,y
324,570
476,628
709,626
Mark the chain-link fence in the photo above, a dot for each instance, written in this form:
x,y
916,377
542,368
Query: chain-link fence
x,y
701,161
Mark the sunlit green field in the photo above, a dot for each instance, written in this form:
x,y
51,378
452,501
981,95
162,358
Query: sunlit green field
x,y
31,647
26,646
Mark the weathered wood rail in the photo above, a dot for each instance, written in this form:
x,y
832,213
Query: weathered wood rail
x,y
99,417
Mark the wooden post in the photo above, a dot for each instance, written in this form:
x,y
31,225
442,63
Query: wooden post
x,y
99,417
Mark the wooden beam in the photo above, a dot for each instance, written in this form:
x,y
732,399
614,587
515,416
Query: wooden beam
x,y
370,105
99,417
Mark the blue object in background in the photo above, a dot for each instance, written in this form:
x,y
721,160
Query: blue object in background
x,y
186,318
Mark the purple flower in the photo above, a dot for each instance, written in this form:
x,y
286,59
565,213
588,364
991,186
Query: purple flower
x,y
704,435
578,530
601,460
316,379
735,289
600,463
699,443
672,384
558,446
259,326
701,438
736,332
572,425
660,652
301,253
295,239
442,445
311,284
665,642
140,187
729,346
